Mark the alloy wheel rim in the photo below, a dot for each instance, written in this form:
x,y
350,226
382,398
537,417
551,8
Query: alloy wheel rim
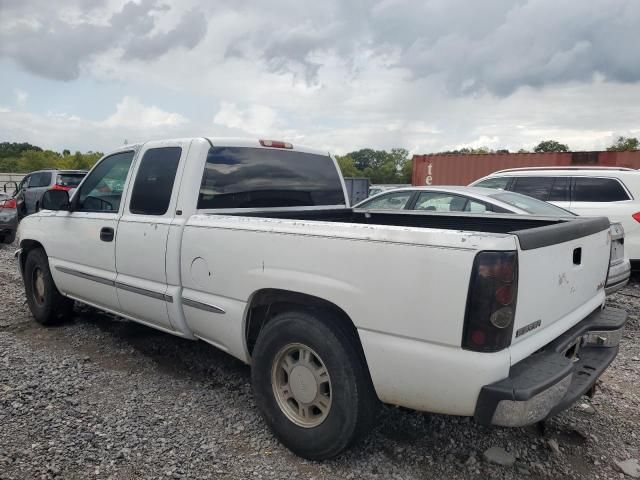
x,y
301,385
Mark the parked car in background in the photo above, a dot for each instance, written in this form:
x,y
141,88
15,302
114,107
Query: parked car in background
x,y
8,219
483,200
250,246
376,189
591,191
32,187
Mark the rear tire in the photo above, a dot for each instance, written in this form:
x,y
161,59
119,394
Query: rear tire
x,y
311,384
46,303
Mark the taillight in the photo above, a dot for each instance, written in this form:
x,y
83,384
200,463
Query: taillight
x,y
60,187
491,302
636,216
275,144
11,203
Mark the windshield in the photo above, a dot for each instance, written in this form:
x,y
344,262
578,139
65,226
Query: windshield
x,y
70,179
531,205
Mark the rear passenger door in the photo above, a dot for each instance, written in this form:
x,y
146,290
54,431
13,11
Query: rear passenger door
x,y
39,184
143,230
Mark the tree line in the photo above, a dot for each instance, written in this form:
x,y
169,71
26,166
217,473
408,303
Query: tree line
x,y
25,158
380,166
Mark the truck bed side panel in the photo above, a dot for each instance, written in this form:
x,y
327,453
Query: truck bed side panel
x,y
395,280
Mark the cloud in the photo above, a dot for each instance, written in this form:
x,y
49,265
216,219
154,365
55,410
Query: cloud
x,y
131,120
494,45
21,97
187,33
131,113
427,75
54,41
255,119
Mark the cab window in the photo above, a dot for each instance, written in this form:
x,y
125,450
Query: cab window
x,y
154,181
102,190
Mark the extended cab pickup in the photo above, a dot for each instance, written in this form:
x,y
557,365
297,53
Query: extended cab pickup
x,y
251,246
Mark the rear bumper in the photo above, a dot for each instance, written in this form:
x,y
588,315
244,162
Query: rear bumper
x,y
554,378
618,276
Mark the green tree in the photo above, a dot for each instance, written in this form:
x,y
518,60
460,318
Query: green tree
x,y
24,158
551,146
624,144
14,150
469,151
380,166
348,167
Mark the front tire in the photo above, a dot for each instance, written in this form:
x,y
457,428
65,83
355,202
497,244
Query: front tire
x,y
311,384
46,303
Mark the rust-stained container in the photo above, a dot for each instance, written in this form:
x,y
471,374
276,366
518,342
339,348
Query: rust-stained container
x,y
462,169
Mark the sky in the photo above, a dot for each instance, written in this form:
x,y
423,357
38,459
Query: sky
x,y
426,75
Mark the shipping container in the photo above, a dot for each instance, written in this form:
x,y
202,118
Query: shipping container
x,y
462,169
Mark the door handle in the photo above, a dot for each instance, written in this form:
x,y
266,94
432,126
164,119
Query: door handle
x,y
106,234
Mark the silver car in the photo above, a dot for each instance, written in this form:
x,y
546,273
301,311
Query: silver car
x,y
489,200
33,186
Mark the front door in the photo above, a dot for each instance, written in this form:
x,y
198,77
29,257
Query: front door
x,y
141,247
82,255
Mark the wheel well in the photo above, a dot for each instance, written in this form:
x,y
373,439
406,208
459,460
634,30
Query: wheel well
x,y
27,246
267,303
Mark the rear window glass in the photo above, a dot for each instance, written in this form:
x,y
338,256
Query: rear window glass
x,y
559,190
587,189
495,182
389,201
241,177
531,205
42,179
536,187
70,179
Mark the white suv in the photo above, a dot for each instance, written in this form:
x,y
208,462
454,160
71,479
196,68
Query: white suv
x,y
612,192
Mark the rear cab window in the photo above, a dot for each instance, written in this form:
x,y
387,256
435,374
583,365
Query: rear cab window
x,y
596,189
247,177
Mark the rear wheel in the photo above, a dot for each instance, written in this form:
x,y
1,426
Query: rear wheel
x,y
45,301
311,384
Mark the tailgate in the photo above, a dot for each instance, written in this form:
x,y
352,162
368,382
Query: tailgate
x,y
562,269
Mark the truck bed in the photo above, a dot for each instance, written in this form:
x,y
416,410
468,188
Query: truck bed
x,y
532,232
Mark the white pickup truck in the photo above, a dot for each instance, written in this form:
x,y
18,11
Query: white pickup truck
x,y
251,246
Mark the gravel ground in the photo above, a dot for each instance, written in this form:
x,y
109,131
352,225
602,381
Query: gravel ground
x,y
100,397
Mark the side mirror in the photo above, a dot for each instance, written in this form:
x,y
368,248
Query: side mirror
x,y
10,187
55,200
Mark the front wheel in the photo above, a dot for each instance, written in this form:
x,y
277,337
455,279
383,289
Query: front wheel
x,y
46,303
311,384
